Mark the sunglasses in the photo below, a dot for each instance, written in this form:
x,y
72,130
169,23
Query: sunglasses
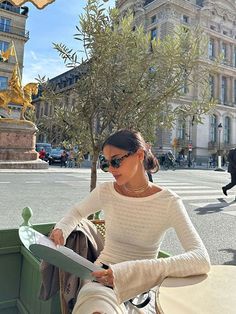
x,y
115,162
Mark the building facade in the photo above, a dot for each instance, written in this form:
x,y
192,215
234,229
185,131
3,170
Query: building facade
x,y
62,84
217,18
12,30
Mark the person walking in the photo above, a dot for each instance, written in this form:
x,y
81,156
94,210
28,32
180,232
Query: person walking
x,y
42,153
231,170
64,157
137,213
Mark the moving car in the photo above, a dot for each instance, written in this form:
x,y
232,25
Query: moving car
x,y
55,156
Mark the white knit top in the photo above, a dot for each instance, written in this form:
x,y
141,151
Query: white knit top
x,y
135,228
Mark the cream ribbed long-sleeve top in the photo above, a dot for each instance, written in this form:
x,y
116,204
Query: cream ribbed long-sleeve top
x,y
135,228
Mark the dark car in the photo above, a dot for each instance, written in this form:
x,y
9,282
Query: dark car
x,y
55,156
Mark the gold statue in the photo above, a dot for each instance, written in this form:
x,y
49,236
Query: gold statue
x,y
18,95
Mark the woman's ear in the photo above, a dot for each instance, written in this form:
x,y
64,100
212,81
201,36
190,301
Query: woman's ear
x,y
140,154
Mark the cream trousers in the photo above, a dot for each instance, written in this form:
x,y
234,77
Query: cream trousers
x,y
96,298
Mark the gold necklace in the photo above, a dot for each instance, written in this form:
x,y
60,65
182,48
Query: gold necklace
x,y
139,190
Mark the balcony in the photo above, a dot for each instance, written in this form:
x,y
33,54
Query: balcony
x,y
147,2
14,30
9,7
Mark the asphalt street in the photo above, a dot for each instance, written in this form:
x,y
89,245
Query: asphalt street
x,y
50,193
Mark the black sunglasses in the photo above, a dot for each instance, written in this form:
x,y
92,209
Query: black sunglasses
x,y
115,162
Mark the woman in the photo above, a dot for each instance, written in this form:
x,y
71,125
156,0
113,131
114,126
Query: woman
x,y
137,214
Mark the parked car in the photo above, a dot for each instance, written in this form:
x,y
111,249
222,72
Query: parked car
x,y
46,146
55,156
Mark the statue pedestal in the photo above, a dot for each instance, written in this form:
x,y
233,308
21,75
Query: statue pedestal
x,y
17,145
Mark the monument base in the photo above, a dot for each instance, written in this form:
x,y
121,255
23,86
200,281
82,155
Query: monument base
x,y
17,145
35,164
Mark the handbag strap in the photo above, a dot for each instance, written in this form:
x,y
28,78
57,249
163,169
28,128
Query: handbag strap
x,y
144,303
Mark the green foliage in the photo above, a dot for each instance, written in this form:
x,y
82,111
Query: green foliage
x,y
128,81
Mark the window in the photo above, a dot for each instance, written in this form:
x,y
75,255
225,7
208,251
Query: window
x,y
235,91
3,45
213,27
224,51
213,127
5,24
211,86
225,33
234,61
153,19
227,130
199,2
3,82
224,90
184,88
211,52
46,109
181,130
153,33
185,19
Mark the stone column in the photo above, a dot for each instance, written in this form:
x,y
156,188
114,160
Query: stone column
x,y
219,87
233,91
228,90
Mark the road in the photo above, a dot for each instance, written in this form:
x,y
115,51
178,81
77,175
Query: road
x,y
50,193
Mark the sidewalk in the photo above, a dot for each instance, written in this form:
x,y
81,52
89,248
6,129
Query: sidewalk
x,y
51,169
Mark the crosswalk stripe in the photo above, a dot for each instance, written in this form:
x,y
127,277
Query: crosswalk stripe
x,y
174,183
232,212
203,197
210,205
197,192
189,187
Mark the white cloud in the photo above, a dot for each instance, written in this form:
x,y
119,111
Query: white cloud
x,y
36,65
33,55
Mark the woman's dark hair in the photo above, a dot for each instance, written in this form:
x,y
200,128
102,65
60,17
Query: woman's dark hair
x,y
131,141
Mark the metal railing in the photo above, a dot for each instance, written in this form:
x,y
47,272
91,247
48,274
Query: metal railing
x,y
9,7
14,30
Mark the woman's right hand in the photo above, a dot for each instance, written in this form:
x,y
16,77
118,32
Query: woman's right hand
x,y
57,236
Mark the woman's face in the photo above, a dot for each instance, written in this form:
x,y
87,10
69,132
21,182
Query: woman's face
x,y
129,166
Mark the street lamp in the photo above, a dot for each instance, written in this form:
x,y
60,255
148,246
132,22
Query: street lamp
x,y
220,127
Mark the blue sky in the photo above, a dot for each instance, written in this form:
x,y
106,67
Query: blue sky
x,y
55,23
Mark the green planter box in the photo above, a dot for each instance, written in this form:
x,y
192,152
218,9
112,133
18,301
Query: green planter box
x,y
20,277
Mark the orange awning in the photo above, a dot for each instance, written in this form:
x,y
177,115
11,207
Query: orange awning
x,y
40,4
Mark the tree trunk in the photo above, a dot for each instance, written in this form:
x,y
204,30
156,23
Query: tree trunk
x,y
94,169
93,180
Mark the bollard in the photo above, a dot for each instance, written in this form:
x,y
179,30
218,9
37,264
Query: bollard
x,y
27,213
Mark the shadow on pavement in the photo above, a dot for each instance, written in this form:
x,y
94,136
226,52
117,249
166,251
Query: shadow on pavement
x,y
213,208
233,262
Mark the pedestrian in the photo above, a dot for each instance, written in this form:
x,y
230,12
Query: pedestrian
x,y
210,162
71,159
231,170
137,214
42,153
64,157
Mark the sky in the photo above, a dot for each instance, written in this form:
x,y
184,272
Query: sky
x,y
55,23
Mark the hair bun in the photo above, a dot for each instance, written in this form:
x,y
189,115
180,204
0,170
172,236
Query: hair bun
x,y
150,162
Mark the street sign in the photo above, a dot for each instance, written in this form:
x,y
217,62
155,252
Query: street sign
x,y
190,147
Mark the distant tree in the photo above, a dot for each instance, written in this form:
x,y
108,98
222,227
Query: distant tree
x,y
129,80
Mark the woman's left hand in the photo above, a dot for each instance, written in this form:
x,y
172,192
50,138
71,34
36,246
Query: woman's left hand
x,y
105,277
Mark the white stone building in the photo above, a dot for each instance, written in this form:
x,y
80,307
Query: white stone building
x,y
218,20
12,29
